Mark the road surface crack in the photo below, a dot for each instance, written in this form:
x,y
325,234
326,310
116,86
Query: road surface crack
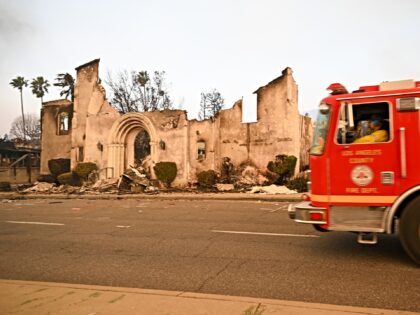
x,y
211,242
215,275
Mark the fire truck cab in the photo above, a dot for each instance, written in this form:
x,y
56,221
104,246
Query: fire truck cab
x,y
365,164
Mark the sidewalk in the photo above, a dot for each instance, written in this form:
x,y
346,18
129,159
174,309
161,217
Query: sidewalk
x,y
28,297
161,195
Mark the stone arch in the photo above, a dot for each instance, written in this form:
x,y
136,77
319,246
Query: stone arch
x,y
120,134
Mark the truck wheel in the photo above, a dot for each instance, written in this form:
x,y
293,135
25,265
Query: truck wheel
x,y
409,229
319,228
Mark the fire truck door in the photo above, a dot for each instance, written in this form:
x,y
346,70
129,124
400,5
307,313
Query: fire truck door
x,y
407,134
364,155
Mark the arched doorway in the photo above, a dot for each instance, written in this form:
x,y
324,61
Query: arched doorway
x,y
122,145
141,147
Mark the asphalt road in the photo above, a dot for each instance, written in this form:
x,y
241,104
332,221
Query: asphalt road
x,y
193,246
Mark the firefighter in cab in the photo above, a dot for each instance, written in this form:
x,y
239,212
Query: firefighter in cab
x,y
378,133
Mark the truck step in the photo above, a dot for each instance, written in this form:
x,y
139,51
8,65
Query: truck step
x,y
367,238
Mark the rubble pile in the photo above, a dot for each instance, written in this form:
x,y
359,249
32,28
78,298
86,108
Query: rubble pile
x,y
134,180
105,185
137,180
272,190
40,187
251,176
52,188
243,179
225,187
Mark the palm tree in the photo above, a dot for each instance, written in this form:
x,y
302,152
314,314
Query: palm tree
x,y
143,80
66,82
39,86
19,83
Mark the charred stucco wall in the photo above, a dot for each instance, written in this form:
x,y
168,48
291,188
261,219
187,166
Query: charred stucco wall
x,y
277,129
101,135
100,117
171,143
280,129
202,132
92,119
86,79
54,144
233,137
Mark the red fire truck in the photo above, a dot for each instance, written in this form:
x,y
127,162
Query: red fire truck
x,y
365,164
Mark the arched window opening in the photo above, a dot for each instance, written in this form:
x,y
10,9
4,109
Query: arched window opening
x,y
201,150
63,123
141,147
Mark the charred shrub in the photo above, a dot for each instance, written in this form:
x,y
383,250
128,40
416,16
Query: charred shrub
x,y
70,178
48,178
206,179
5,186
59,166
284,167
299,183
84,169
166,172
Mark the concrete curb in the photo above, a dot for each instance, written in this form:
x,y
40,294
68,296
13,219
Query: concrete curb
x,y
169,196
30,297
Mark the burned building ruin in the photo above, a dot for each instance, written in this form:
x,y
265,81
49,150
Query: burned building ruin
x,y
91,130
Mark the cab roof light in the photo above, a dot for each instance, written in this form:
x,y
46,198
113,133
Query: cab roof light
x,y
369,88
336,89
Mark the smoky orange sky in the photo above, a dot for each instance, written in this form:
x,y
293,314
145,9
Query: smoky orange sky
x,y
233,46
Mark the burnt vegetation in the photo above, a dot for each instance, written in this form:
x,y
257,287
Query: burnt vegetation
x,y
133,91
166,172
211,103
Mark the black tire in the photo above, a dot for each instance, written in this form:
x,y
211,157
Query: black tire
x,y
319,228
409,229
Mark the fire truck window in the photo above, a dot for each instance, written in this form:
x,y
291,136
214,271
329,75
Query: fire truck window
x,y
363,123
320,133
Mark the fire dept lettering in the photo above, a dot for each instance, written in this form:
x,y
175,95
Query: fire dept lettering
x,y
369,190
369,152
364,190
361,160
361,152
362,175
352,190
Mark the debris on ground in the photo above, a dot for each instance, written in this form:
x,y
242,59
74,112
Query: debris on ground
x,y
134,180
105,185
225,187
93,177
252,176
138,180
272,190
151,189
40,187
